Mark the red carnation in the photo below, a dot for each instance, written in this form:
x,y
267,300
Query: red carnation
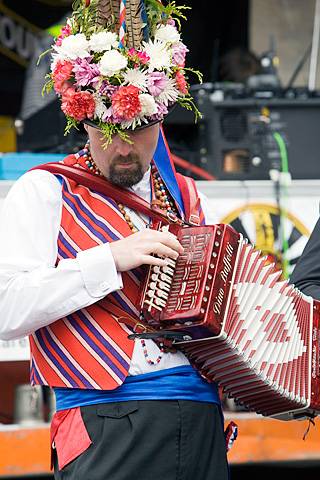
x,y
78,105
125,102
61,74
181,82
62,70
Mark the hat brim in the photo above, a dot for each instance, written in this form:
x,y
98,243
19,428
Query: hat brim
x,y
140,127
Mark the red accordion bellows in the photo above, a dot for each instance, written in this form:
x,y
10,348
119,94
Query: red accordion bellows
x,y
256,336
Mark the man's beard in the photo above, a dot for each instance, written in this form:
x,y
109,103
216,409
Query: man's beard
x,y
129,177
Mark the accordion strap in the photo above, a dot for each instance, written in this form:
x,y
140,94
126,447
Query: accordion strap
x,y
123,316
191,199
102,185
163,338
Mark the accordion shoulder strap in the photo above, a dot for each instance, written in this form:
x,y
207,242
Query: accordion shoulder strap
x,y
123,316
190,198
102,185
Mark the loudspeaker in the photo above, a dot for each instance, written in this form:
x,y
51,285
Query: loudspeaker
x,y
44,132
236,137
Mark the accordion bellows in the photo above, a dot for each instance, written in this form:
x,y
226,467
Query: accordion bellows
x,y
255,335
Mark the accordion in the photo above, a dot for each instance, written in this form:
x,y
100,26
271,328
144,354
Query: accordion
x,y
255,335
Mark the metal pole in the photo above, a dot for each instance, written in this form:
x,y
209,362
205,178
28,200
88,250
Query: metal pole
x,y
315,47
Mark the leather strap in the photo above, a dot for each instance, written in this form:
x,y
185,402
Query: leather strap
x,y
124,317
102,185
191,199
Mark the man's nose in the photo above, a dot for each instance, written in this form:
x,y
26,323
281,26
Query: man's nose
x,y
122,148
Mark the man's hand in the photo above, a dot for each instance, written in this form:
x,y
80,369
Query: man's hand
x,y
137,249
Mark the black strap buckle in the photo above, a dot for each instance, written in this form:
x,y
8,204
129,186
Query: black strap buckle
x,y
163,334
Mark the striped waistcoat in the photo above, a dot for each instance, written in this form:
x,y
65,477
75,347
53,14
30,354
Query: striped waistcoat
x,y
88,348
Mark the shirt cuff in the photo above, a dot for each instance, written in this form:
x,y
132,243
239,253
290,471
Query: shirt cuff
x,y
99,271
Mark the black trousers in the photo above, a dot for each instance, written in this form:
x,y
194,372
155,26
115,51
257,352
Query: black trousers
x,y
151,440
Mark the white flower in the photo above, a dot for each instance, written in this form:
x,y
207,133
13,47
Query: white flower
x,y
136,77
73,46
112,62
133,123
169,94
101,108
55,59
148,105
158,53
167,34
102,41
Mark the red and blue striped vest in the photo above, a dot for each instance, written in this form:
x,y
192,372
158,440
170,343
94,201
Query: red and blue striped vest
x,y
88,348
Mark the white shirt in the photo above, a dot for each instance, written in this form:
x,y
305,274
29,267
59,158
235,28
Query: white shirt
x,y
33,291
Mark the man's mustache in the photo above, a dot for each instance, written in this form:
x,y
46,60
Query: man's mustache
x,y
131,158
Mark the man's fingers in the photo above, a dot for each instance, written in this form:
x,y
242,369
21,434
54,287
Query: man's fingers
x,y
164,251
150,260
167,239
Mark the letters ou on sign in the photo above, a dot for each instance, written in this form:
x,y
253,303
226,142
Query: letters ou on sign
x,y
17,42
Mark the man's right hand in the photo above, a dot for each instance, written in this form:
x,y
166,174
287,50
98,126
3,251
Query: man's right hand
x,y
137,249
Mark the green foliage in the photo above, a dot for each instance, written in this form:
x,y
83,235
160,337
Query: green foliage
x,y
109,130
43,54
48,86
188,103
197,73
83,18
158,13
71,123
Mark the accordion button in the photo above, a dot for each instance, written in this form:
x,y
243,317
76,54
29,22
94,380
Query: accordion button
x,y
217,244
165,278
214,254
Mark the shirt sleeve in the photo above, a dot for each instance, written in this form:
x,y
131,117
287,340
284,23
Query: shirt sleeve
x,y
34,292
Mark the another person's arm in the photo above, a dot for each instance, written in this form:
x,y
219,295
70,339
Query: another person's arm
x,y
306,275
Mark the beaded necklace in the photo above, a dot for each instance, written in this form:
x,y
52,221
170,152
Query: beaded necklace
x,y
162,199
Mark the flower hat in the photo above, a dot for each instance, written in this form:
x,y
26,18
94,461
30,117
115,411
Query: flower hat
x,y
119,65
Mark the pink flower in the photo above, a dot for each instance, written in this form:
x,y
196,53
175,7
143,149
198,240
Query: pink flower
x,y
86,73
179,51
78,105
138,57
63,70
170,21
157,82
61,87
181,82
61,74
110,117
162,111
107,89
143,57
65,32
132,52
125,102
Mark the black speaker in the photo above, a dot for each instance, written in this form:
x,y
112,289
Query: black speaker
x,y
236,139
44,132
